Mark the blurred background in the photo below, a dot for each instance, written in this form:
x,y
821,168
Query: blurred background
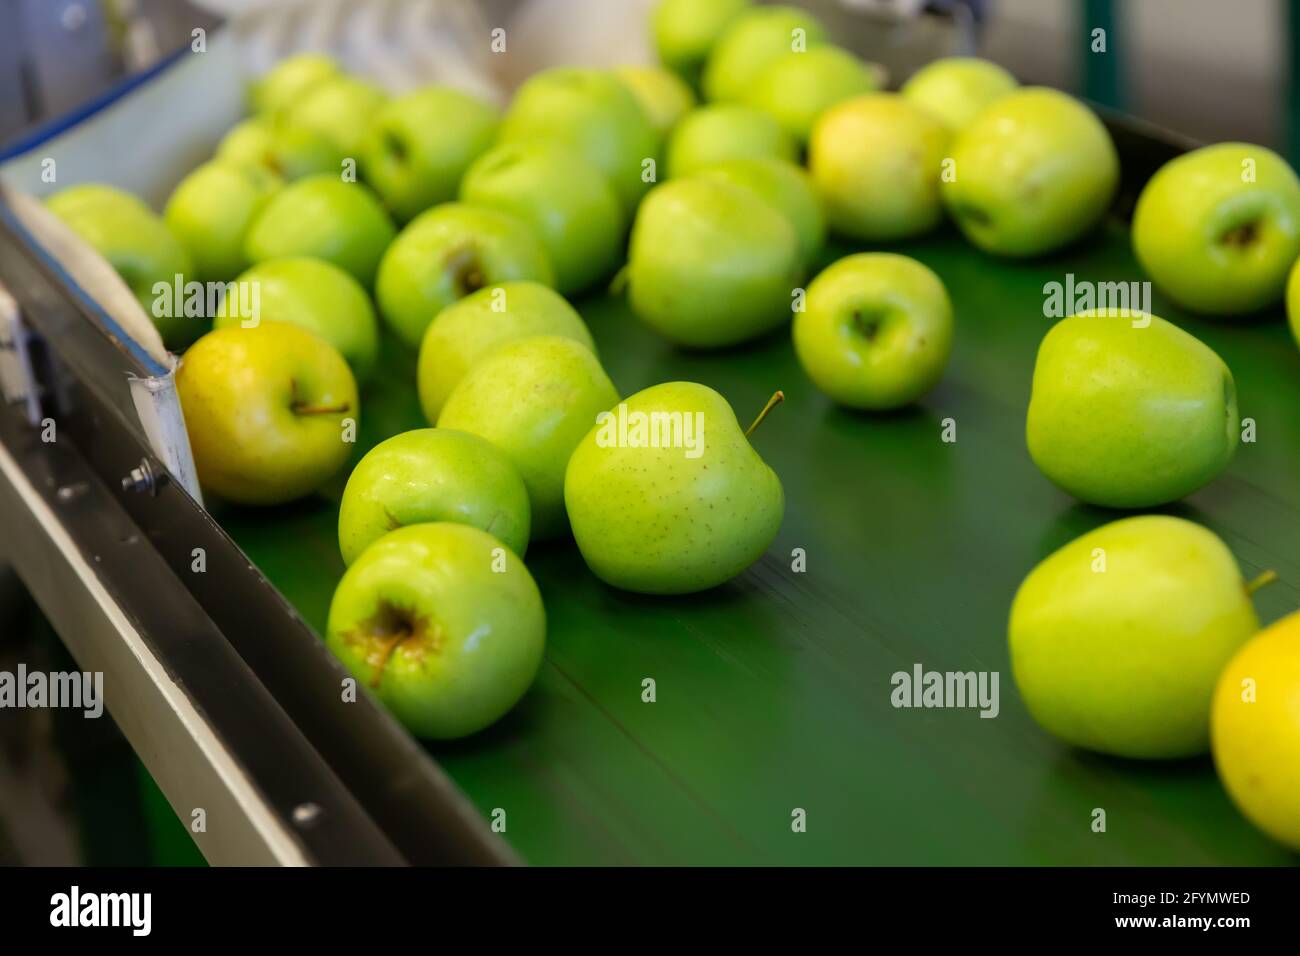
x,y
71,790
1210,69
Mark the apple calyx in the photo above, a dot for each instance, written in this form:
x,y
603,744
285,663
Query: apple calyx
x,y
777,398
1240,237
1263,580
867,327
466,271
390,627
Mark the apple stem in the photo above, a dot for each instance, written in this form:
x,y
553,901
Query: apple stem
x,y
320,409
777,398
1264,580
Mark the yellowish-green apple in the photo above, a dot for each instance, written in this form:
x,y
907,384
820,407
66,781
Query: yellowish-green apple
x,y
956,88
1255,730
667,496
323,217
1030,173
715,134
875,331
686,30
469,328
534,398
419,145
787,189
593,112
567,202
1293,301
311,294
753,40
1117,639
711,264
796,88
445,254
267,410
876,161
289,80
136,242
1218,229
340,108
1129,411
211,211
445,634
281,148
664,95
432,474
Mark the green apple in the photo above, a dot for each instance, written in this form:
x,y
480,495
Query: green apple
x,y
1255,730
289,151
1293,301
1218,229
797,88
323,217
534,398
426,621
267,410
593,112
448,252
419,145
753,40
1031,173
664,96
876,330
1129,411
876,162
715,134
137,244
289,80
341,109
686,30
667,496
211,211
469,328
314,295
956,88
1118,638
787,189
567,202
710,264
432,474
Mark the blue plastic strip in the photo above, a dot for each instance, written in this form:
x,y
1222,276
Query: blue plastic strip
x,y
150,364
60,124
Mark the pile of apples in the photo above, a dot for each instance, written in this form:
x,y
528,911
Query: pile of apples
x,y
705,190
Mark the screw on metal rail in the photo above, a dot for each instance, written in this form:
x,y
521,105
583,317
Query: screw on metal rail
x,y
144,478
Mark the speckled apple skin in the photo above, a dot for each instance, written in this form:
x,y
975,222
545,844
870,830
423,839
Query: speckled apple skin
x,y
787,189
1193,202
534,398
1124,661
237,389
324,218
433,474
1256,741
418,279
1129,417
710,264
876,162
481,619
1032,173
652,520
469,328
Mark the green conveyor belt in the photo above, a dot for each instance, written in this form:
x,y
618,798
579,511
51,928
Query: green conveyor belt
x,y
773,691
